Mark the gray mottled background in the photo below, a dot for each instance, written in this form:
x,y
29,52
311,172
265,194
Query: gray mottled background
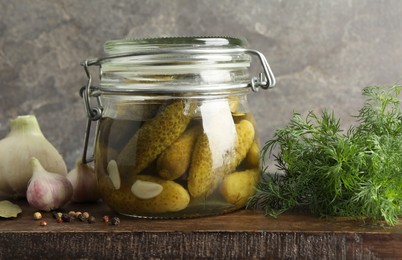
x,y
322,53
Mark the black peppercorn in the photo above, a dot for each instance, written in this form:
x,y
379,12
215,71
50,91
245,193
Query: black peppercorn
x,y
91,220
80,217
66,217
115,221
54,214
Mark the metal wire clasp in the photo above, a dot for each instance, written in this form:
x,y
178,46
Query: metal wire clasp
x,y
265,82
93,113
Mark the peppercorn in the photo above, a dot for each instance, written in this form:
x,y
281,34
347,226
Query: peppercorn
x,y
80,217
42,223
66,217
59,220
115,221
106,219
91,220
85,215
37,215
54,214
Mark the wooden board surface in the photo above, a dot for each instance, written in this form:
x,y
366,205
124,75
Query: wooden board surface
x,y
241,235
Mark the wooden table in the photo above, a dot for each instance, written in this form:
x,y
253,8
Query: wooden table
x,y
240,235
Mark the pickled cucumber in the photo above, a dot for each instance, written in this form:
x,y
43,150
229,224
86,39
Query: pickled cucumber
x,y
175,160
237,187
204,177
253,156
172,198
153,137
201,175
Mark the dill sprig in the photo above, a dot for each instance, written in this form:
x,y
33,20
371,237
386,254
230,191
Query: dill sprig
x,y
332,173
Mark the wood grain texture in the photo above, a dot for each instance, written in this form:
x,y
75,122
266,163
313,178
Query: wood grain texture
x,y
240,235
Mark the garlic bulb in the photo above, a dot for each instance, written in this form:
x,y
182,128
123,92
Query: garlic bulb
x,y
84,182
24,141
46,190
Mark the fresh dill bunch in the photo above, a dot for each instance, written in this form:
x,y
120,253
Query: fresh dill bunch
x,y
332,173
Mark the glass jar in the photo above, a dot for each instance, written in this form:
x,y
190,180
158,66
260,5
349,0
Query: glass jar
x,y
175,135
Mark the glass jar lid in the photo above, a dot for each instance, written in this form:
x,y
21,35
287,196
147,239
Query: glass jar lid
x,y
124,46
175,66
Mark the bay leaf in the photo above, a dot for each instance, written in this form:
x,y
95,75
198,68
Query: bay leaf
x,y
9,209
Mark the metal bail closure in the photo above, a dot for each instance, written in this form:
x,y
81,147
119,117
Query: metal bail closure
x,y
264,81
93,113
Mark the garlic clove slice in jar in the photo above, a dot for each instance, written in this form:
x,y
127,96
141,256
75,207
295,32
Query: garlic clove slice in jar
x,y
146,189
114,174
